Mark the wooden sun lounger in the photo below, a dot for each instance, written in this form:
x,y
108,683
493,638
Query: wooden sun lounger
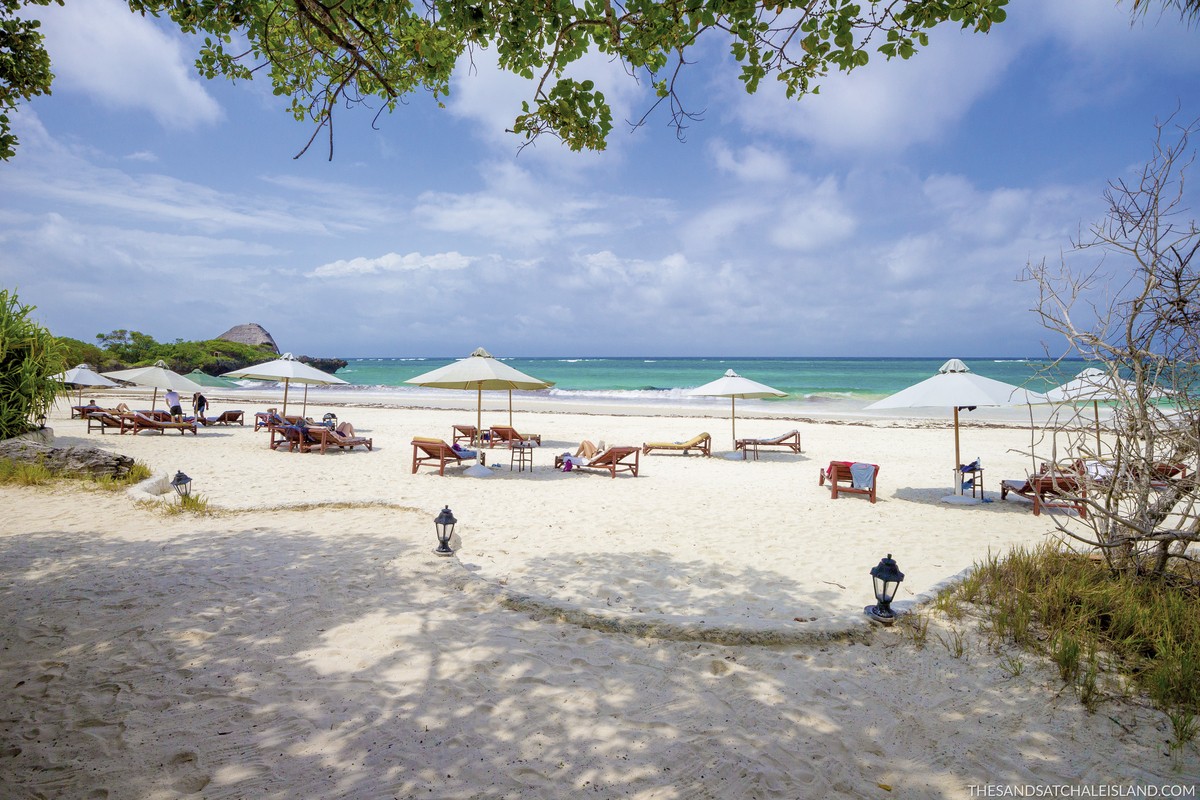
x,y
267,419
464,433
226,418
81,412
291,436
428,452
141,422
1050,489
508,435
614,459
788,441
104,420
326,438
840,480
703,443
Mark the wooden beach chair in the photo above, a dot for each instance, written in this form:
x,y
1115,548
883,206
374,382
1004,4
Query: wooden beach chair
x,y
788,441
325,438
615,459
508,435
142,422
81,412
464,433
702,443
294,437
427,452
105,421
271,417
226,418
840,475
1050,488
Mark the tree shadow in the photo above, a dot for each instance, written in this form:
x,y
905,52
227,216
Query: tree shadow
x,y
273,661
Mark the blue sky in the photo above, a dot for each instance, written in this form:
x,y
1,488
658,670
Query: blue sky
x,y
888,216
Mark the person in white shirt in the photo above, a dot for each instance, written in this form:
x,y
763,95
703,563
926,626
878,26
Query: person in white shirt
x,y
172,398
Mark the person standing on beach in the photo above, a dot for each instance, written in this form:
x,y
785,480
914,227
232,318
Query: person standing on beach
x,y
172,398
199,405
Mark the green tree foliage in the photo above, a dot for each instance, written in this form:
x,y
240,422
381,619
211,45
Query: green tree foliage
x,y
323,54
77,352
24,65
125,348
29,356
131,347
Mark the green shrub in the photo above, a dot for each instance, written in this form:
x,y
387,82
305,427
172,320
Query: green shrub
x,y
29,356
1073,609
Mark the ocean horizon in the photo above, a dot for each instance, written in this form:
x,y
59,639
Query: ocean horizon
x,y
810,382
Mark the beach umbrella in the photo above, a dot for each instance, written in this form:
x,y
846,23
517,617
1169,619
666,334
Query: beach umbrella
x,y
735,387
158,376
211,381
955,386
81,376
289,369
1092,386
478,371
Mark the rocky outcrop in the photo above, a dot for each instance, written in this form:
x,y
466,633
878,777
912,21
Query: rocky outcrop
x,y
330,365
251,333
67,460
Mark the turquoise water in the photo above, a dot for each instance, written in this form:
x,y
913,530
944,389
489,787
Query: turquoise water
x,y
854,380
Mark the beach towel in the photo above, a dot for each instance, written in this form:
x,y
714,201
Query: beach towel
x,y
862,475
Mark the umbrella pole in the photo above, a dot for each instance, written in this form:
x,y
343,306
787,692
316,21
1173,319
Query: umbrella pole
x,y
285,391
479,416
1096,410
958,488
733,418
304,413
510,408
154,400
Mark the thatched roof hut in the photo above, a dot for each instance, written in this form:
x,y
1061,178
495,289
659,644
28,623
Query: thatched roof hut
x,y
250,333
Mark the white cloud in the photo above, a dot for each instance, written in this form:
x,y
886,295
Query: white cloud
x,y
884,107
392,262
125,61
812,218
752,163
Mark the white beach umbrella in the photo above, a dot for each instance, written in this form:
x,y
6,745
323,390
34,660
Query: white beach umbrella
x,y
1093,386
478,371
956,387
735,387
289,369
159,376
83,375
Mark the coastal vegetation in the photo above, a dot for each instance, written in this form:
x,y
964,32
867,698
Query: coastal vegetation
x,y
29,356
120,349
18,472
1106,632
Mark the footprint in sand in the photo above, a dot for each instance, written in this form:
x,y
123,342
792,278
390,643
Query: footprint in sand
x,y
187,777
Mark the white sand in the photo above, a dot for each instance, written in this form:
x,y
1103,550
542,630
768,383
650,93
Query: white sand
x,y
283,652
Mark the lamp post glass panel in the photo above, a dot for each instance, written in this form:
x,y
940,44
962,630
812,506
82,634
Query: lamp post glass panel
x,y
444,524
182,484
886,577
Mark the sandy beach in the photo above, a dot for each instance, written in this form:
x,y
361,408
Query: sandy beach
x,y
695,632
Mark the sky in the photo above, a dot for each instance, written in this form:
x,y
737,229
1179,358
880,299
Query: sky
x,y
890,215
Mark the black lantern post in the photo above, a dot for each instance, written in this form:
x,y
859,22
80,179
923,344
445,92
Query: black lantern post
x,y
886,577
444,524
182,484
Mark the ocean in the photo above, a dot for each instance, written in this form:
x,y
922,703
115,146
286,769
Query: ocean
x,y
809,382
